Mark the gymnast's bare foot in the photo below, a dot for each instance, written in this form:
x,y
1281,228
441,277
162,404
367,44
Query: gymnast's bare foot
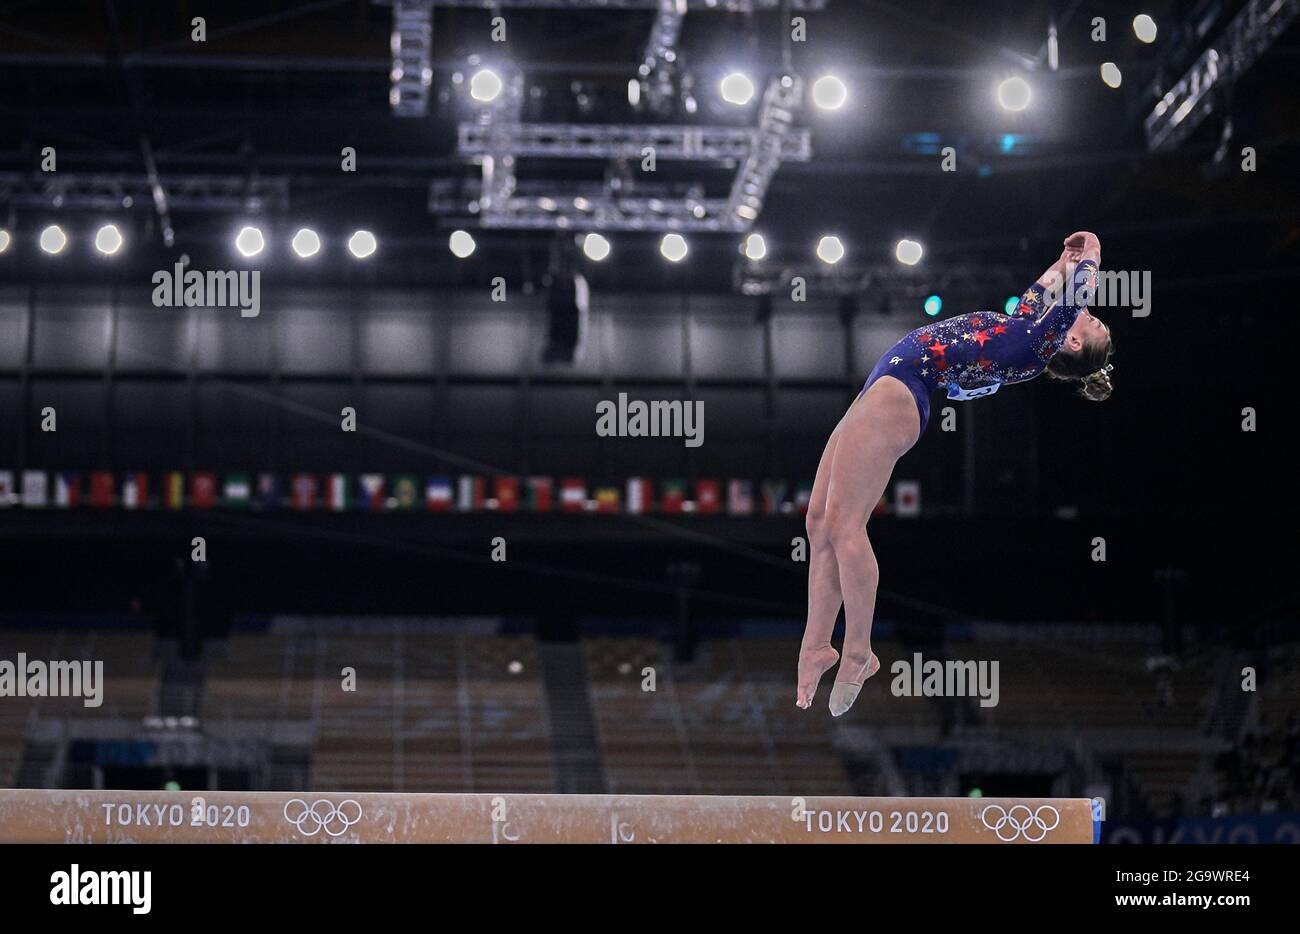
x,y
814,661
844,693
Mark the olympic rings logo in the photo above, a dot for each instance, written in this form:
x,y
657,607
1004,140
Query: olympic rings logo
x,y
1020,822
333,818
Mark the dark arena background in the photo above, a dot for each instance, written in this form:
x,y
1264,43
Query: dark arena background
x,y
311,315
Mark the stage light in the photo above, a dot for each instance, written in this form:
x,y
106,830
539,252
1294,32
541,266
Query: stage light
x,y
485,86
4,239
108,239
830,250
755,247
673,247
595,246
633,91
249,241
829,92
1110,74
362,244
933,305
53,239
1144,27
737,89
1013,94
461,244
908,252
306,243
1011,304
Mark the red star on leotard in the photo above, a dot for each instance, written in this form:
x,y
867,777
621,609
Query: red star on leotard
x,y
937,348
985,363
982,336
941,365
1000,329
1025,308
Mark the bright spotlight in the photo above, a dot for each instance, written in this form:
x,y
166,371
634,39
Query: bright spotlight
x,y
461,244
306,243
737,89
1110,74
1013,94
755,247
830,250
933,305
362,244
673,247
108,239
249,241
4,239
829,92
1144,27
53,239
908,252
595,246
485,86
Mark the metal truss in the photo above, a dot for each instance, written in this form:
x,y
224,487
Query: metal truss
x,y
412,44
1184,106
185,192
766,149
497,138
628,141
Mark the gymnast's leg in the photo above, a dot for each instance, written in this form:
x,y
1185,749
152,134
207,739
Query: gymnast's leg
x,y
879,428
815,653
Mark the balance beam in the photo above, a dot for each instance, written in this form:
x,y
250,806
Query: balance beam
x,y
49,816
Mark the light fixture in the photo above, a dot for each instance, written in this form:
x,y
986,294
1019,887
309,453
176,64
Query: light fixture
x,y
306,243
249,241
362,244
1014,94
755,247
830,250
829,92
595,246
461,244
908,252
737,89
485,86
673,247
53,239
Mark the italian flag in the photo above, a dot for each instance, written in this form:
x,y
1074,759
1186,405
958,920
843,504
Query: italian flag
x,y
470,493
339,499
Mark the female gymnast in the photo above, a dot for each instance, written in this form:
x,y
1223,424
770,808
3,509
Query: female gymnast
x,y
967,356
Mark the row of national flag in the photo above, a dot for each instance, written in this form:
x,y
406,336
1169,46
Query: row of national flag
x,y
373,492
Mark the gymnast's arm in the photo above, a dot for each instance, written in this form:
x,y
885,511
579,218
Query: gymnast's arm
x,y
1079,246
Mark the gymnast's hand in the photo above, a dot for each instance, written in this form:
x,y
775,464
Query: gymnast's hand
x,y
1084,244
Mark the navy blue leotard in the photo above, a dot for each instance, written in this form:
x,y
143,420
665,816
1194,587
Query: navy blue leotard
x,y
973,355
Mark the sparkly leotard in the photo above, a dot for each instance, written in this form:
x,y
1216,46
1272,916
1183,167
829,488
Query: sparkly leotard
x,y
973,355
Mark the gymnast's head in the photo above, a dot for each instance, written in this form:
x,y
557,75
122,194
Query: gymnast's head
x,y
1085,357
